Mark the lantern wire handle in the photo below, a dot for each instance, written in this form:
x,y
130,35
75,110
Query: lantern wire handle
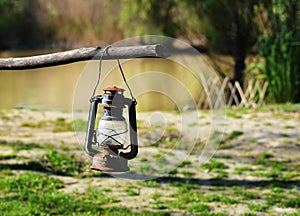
x,y
99,70
125,81
121,70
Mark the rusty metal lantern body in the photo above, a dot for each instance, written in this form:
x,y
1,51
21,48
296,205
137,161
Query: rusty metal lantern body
x,y
105,144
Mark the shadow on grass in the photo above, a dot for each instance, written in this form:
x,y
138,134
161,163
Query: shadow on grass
x,y
29,166
38,167
233,182
264,183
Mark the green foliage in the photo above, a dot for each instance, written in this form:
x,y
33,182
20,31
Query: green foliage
x,y
292,202
236,32
10,14
160,160
19,145
32,125
169,18
290,175
234,134
274,199
159,205
250,195
185,163
131,192
38,194
149,183
281,66
29,182
241,170
7,156
196,207
80,124
214,164
279,47
214,198
258,207
61,125
232,114
187,173
221,174
183,188
99,198
143,159
146,169
62,164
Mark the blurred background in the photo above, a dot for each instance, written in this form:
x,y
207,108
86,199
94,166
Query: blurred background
x,y
243,40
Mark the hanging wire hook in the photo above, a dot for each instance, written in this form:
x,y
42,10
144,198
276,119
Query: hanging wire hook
x,y
121,70
125,81
100,70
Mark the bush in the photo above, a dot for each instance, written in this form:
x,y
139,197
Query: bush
x,y
281,67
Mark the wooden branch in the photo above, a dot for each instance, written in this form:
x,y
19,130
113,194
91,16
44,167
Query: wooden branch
x,y
82,54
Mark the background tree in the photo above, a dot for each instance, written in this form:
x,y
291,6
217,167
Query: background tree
x,y
228,24
280,48
174,18
20,28
230,28
10,26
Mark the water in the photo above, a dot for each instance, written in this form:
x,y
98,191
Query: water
x,y
157,84
49,88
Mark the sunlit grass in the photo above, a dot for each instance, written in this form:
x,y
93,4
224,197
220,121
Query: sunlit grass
x,y
260,182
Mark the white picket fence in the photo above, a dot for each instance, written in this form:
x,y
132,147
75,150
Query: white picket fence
x,y
252,96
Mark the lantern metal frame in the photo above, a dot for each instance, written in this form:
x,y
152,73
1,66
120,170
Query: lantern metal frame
x,y
112,158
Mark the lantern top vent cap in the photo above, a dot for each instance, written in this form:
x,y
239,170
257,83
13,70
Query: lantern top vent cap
x,y
114,88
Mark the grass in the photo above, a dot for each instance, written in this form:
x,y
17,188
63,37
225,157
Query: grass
x,y
38,194
274,169
146,169
187,197
196,207
19,145
160,160
292,202
234,134
261,184
80,124
7,156
185,163
58,125
143,159
61,125
29,182
132,191
188,173
242,170
248,195
62,164
214,165
168,139
280,108
149,183
52,161
258,207
233,114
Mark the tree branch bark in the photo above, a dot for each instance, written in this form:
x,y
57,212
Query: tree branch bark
x,y
82,54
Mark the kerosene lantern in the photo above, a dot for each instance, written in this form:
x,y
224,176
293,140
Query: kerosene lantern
x,y
106,143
